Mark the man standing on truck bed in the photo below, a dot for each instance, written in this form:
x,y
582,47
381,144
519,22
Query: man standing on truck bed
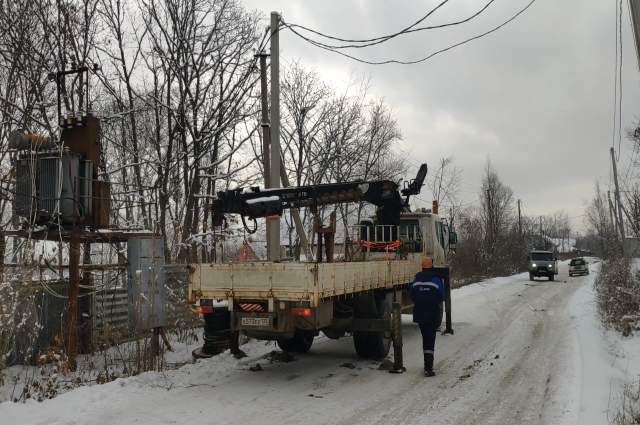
x,y
427,294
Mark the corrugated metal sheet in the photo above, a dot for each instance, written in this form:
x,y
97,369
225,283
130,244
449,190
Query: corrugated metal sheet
x,y
24,189
111,317
49,184
109,310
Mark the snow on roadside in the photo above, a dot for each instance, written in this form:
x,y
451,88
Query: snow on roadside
x,y
74,404
609,361
68,408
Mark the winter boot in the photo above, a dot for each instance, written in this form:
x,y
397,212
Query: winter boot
x,y
428,364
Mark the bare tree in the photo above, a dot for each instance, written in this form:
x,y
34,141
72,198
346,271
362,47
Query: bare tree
x,y
445,186
600,226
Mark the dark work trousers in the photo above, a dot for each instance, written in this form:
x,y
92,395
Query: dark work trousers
x,y
428,331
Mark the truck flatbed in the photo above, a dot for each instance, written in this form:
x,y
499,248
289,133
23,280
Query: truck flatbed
x,y
297,282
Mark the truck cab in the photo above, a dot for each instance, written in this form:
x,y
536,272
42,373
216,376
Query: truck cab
x,y
420,233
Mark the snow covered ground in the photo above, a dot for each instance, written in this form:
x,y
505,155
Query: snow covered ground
x,y
608,361
523,352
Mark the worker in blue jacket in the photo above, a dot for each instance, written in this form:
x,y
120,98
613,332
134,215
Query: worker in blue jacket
x,y
427,294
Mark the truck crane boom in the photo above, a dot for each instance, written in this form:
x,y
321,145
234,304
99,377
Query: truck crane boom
x,y
256,203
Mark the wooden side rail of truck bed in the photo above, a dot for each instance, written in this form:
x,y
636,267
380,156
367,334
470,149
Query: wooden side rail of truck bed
x,y
308,282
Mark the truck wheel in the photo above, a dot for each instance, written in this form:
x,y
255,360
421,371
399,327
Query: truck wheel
x,y
551,277
531,277
300,343
381,341
217,334
362,343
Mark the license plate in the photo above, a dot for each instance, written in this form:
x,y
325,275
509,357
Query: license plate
x,y
255,321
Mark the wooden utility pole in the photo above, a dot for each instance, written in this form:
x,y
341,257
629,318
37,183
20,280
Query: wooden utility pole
x,y
74,287
542,244
614,223
490,224
619,205
519,219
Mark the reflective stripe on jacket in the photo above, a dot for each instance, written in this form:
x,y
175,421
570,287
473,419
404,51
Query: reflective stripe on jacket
x,y
427,293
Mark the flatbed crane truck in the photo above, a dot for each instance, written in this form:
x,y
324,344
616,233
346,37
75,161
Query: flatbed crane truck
x,y
363,295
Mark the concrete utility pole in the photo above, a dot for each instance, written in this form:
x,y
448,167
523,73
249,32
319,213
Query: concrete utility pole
x,y
619,204
266,125
266,138
273,224
634,12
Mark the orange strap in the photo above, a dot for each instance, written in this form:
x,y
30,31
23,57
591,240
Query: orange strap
x,y
378,245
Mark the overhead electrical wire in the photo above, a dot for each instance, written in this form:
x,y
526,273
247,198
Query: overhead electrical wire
x,y
615,88
384,38
320,45
379,40
620,83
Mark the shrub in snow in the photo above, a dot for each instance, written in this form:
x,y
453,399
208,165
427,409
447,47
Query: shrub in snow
x,y
630,412
618,296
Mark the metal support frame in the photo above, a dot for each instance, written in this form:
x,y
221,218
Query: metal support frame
x,y
74,286
235,343
326,233
444,274
396,334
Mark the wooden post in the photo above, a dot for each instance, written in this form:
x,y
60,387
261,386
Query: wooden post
x,y
74,286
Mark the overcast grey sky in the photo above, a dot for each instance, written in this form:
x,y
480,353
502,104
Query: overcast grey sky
x,y
536,96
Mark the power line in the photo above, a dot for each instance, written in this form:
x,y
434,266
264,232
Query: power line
x,y
317,44
379,40
620,98
615,86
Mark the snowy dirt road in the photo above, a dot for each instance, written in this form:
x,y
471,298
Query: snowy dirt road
x,y
512,360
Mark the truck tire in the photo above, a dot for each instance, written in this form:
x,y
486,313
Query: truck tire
x,y
300,343
374,344
217,332
362,343
551,277
531,277
381,342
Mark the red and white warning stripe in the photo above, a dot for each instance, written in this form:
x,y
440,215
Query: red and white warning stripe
x,y
251,307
